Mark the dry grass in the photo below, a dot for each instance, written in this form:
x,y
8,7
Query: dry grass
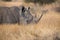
x,y
46,29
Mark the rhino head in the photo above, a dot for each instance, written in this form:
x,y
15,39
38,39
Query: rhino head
x,y
27,17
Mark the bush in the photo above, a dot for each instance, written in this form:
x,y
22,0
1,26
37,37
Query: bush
x,y
41,1
6,0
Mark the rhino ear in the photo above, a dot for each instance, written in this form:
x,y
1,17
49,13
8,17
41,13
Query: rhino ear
x,y
22,8
28,8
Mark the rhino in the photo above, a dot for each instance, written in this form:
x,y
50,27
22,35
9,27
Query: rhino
x,y
20,15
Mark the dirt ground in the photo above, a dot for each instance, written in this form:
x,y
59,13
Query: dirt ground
x,y
47,28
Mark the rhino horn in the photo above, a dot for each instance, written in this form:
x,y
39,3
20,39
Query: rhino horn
x,y
43,12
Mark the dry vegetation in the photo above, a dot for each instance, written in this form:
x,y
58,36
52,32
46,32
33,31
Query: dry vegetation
x,y
46,29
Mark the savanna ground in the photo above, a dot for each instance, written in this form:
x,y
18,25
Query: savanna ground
x,y
47,28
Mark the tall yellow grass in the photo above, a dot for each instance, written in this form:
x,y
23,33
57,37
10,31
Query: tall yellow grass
x,y
47,26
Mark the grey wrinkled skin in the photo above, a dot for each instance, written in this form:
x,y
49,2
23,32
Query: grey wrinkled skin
x,y
9,15
15,13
